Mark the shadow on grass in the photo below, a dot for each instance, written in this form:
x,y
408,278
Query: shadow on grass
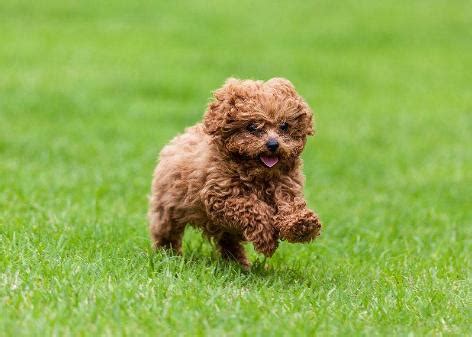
x,y
201,264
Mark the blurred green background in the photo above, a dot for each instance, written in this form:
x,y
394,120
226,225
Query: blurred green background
x,y
90,92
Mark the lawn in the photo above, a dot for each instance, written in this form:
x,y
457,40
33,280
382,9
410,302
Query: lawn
x,y
91,91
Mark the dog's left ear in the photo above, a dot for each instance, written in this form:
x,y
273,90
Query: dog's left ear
x,y
307,118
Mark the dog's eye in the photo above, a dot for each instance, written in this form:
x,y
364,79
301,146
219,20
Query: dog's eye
x,y
252,127
284,126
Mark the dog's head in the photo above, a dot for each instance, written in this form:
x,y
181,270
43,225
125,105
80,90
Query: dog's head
x,y
261,125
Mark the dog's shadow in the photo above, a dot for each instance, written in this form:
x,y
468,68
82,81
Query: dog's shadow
x,y
261,271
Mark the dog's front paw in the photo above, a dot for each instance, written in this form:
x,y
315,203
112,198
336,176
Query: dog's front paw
x,y
266,248
301,229
265,242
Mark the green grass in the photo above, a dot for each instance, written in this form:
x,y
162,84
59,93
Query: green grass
x,y
90,93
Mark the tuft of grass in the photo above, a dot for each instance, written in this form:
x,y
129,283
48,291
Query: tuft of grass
x,y
90,92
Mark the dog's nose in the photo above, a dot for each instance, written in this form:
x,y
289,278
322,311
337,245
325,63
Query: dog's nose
x,y
272,145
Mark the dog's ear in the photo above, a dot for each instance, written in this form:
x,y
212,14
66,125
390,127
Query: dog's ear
x,y
224,104
307,118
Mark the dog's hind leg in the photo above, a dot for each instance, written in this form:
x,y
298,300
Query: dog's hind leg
x,y
231,249
166,232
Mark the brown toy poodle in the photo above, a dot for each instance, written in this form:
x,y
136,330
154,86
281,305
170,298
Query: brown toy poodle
x,y
237,176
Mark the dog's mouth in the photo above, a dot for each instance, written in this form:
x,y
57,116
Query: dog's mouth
x,y
269,161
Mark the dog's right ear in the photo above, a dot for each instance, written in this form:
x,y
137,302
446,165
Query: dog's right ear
x,y
223,103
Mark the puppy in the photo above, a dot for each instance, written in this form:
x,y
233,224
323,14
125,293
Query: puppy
x,y
237,176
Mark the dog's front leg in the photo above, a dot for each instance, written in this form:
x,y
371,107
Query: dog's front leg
x,y
248,215
294,220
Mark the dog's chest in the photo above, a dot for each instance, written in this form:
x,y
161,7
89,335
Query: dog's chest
x,y
264,191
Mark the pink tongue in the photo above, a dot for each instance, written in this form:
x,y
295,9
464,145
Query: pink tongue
x,y
269,161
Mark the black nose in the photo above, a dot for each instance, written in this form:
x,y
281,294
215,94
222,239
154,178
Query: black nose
x,y
272,145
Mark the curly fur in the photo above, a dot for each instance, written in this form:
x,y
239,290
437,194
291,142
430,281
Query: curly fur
x,y
212,176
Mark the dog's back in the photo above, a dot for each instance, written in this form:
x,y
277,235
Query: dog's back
x,y
177,181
